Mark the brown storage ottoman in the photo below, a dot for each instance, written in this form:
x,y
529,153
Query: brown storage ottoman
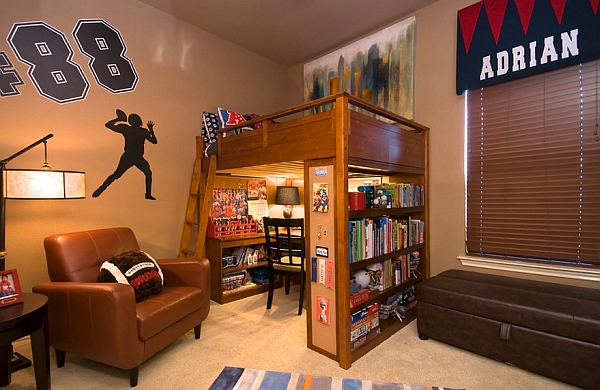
x,y
546,328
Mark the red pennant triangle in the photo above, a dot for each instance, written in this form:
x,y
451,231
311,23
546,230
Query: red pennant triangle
x,y
467,17
594,4
559,9
525,9
495,10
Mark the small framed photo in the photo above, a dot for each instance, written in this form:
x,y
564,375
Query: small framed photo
x,y
10,288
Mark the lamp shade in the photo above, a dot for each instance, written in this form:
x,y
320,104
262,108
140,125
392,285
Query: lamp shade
x,y
43,184
287,195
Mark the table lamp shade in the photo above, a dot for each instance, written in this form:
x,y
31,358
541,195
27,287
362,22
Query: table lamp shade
x,y
43,184
287,195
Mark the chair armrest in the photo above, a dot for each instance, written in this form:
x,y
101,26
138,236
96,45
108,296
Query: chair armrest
x,y
190,271
86,318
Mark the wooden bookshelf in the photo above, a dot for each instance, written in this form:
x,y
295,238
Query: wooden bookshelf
x,y
215,250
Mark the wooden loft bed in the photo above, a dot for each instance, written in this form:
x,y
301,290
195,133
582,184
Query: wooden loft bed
x,y
346,137
335,131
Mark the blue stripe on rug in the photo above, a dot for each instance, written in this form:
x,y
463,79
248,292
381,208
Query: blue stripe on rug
x,y
351,384
246,379
274,380
227,378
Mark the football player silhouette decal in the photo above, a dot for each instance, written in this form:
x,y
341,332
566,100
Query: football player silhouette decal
x,y
130,127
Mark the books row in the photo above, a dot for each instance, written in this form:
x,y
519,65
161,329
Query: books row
x,y
370,237
234,280
393,195
398,304
394,271
244,255
364,324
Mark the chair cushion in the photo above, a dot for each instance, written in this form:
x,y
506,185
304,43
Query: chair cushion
x,y
160,311
286,266
135,268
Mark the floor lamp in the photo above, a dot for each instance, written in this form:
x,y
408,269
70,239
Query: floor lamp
x,y
41,184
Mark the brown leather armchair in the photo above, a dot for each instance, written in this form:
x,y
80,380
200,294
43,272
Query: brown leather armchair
x,y
102,321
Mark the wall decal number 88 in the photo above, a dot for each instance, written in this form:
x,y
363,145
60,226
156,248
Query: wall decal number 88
x,y
49,56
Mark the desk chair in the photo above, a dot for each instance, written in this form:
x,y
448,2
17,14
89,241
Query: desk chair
x,y
285,253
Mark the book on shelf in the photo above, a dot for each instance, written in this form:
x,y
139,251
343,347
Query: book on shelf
x,y
393,195
415,260
364,324
360,297
407,299
388,280
400,265
398,304
234,280
416,231
370,237
369,194
248,254
406,266
238,253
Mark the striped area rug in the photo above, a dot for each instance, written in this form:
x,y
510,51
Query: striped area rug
x,y
235,378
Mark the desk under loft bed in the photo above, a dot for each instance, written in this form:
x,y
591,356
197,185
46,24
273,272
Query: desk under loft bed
x,y
327,141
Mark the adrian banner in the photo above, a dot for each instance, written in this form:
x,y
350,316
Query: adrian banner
x,y
501,40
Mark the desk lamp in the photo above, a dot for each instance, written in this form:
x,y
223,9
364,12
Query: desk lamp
x,y
288,196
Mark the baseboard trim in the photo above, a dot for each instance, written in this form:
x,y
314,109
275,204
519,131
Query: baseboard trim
x,y
22,341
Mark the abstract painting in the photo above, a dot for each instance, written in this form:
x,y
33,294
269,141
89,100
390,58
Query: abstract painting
x,y
378,68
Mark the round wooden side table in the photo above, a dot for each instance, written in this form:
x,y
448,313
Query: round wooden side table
x,y
19,320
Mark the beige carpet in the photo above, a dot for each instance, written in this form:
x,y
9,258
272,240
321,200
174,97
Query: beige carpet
x,y
245,334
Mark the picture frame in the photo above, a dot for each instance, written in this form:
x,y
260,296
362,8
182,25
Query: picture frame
x,y
10,288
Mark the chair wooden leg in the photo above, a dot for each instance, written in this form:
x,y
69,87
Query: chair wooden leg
x,y
287,285
133,376
197,329
301,295
271,288
60,357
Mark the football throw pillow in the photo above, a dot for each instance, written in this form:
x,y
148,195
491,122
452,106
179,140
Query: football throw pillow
x,y
136,268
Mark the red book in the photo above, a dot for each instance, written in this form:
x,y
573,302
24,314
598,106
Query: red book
x,y
359,297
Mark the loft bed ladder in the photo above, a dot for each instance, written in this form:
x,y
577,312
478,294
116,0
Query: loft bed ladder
x,y
199,204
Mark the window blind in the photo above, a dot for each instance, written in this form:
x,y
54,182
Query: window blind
x,y
533,168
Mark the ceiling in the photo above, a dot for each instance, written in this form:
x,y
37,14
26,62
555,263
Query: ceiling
x,y
290,32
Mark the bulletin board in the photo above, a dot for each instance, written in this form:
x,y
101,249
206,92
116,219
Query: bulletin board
x,y
321,261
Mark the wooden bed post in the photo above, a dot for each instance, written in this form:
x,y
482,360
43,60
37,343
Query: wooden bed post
x,y
342,130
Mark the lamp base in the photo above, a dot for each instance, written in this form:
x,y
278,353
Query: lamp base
x,y
287,212
18,362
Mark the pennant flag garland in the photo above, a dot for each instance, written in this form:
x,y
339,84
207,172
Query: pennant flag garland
x,y
500,40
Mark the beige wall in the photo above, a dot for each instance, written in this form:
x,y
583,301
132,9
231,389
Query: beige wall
x,y
182,71
438,107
